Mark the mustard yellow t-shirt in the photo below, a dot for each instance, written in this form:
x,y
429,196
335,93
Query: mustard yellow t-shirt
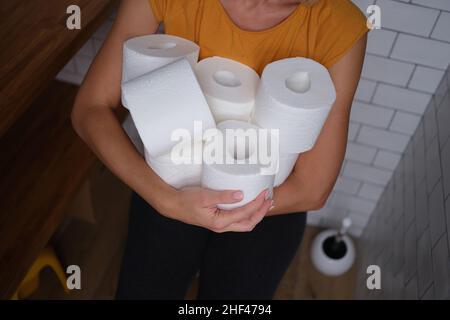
x,y
324,31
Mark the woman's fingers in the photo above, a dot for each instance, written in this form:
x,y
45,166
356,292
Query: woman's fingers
x,y
223,218
199,206
249,224
250,207
213,198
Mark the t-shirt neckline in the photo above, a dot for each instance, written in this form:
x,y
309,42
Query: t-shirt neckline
x,y
286,21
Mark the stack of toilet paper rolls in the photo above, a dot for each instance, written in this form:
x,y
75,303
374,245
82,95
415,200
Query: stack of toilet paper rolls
x,y
295,96
229,87
240,166
145,54
179,169
161,91
165,89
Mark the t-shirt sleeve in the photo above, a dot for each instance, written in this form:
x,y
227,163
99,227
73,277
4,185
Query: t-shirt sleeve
x,y
159,8
341,26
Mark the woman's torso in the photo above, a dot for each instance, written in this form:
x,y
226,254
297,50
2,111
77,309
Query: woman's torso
x,y
323,31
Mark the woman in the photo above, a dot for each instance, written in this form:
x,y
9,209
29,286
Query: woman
x,y
173,234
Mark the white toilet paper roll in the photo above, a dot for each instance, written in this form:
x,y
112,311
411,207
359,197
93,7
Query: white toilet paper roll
x,y
147,53
229,88
178,175
245,176
295,96
166,100
287,163
130,129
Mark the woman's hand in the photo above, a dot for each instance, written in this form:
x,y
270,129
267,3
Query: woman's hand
x,y
198,206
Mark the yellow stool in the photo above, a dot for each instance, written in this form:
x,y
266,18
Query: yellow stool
x,y
47,258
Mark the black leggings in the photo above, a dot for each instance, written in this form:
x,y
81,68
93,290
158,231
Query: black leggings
x,y
162,256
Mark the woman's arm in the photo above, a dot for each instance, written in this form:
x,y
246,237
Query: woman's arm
x,y
94,119
316,171
93,115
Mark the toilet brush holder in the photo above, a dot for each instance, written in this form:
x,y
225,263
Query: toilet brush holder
x,y
332,251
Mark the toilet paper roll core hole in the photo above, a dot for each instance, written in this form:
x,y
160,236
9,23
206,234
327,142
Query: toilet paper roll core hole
x,y
162,46
226,78
242,149
299,82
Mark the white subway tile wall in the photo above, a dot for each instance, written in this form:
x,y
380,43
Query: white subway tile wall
x,y
441,31
360,153
423,51
384,139
346,185
404,17
401,99
387,160
370,191
426,79
437,4
386,70
405,122
408,233
381,42
347,202
353,129
366,173
365,113
365,90
405,63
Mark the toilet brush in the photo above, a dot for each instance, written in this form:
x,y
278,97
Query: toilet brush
x,y
332,251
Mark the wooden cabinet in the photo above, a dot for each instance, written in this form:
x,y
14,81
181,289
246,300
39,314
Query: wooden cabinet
x,y
42,162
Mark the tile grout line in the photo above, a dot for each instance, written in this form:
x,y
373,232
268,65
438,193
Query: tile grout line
x,y
394,108
406,61
423,6
434,25
393,43
417,35
411,76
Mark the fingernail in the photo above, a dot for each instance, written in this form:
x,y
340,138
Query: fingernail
x,y
272,207
238,195
266,194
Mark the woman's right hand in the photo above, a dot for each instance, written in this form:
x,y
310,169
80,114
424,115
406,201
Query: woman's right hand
x,y
198,206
